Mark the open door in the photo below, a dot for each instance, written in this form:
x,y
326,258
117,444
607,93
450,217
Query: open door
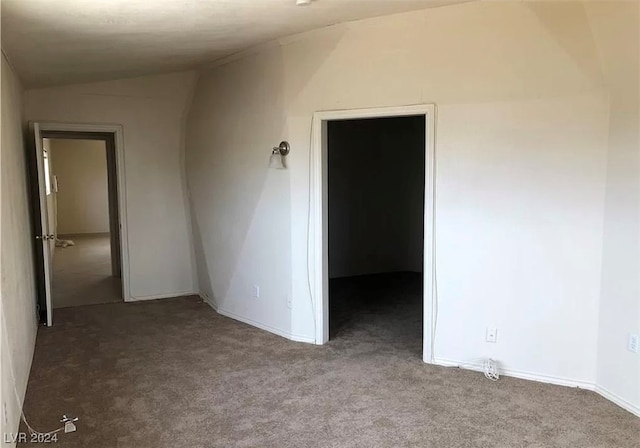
x,y
114,218
40,183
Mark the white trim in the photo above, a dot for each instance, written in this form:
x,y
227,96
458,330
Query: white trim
x,y
254,323
318,225
522,374
208,301
624,404
549,379
118,132
170,295
260,325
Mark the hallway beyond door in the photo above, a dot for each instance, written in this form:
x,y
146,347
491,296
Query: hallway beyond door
x,y
82,273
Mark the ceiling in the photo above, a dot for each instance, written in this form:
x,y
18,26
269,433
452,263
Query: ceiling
x,y
53,42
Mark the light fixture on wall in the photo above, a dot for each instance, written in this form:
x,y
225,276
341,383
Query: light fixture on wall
x,y
276,161
303,2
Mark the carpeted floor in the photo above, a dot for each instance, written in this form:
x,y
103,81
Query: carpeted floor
x,y
82,273
173,373
382,309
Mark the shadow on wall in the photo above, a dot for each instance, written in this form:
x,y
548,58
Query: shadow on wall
x,y
202,267
564,21
310,55
521,172
241,209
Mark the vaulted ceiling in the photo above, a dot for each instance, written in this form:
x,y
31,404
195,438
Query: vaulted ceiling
x,y
68,41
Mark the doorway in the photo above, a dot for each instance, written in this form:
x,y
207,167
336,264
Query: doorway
x,y
357,249
375,172
83,214
78,192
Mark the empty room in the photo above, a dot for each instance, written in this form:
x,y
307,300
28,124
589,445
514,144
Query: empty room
x,y
322,223
375,200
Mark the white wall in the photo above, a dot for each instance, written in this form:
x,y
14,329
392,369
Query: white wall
x,y
151,110
242,210
83,196
523,132
17,284
519,239
375,195
617,31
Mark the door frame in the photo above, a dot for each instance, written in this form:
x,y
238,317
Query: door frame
x,y
319,224
116,131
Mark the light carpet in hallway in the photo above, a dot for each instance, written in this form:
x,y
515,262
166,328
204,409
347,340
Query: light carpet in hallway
x,y
82,273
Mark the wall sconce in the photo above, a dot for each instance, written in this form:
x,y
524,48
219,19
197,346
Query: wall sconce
x,y
276,161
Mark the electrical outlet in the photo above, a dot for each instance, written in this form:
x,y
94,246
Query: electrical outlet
x,y
256,291
634,343
492,334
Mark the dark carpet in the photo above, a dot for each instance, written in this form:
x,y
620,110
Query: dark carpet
x,y
173,373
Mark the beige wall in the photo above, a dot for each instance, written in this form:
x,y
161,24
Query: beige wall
x,y
83,196
17,285
523,138
151,110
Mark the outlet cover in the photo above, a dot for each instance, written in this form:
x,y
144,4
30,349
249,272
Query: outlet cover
x,y
634,343
492,334
256,291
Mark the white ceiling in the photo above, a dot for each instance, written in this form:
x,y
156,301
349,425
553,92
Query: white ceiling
x,y
66,41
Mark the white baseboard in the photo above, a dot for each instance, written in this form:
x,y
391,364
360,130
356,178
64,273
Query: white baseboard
x,y
161,296
618,400
549,379
208,301
269,328
266,327
476,366
532,376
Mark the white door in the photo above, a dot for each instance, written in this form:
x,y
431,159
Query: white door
x,y
43,236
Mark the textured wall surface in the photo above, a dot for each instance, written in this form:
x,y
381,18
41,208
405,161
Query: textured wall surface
x,y
17,283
